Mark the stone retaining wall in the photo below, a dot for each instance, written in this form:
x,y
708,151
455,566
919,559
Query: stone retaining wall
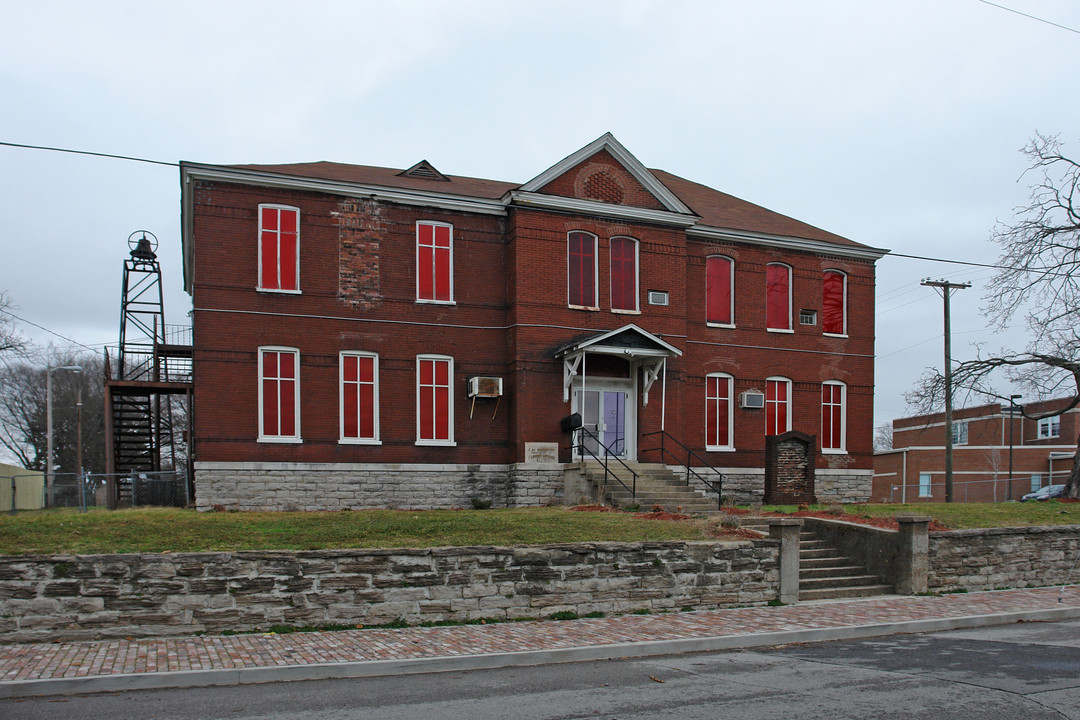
x,y
337,486
1004,558
745,486
98,596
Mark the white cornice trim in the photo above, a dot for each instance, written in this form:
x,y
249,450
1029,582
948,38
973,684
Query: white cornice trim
x,y
404,196
633,166
591,207
864,252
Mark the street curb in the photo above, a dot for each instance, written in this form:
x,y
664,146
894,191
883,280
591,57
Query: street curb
x,y
378,668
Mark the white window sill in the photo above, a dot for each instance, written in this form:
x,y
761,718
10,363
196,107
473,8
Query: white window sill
x,y
779,330
625,312
435,302
282,440
274,291
359,441
584,307
436,443
720,325
833,451
710,448
835,335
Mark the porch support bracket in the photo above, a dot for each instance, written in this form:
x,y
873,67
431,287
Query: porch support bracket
x,y
570,366
651,369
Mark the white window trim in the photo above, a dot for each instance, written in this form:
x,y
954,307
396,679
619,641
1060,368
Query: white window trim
x,y
1048,423
842,450
845,275
731,286
636,310
258,270
960,432
342,440
596,272
778,378
790,293
926,490
450,402
416,261
297,438
730,445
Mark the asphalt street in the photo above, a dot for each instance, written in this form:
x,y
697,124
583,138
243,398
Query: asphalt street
x,y
1025,670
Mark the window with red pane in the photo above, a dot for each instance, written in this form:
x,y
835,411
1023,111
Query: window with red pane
x,y
777,297
719,308
279,248
834,303
777,406
434,262
359,397
434,401
581,269
718,412
624,273
279,394
832,417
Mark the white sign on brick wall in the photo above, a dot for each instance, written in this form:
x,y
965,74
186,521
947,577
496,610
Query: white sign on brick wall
x,y
541,452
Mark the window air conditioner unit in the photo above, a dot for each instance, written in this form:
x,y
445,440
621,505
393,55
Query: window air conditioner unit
x,y
485,387
752,399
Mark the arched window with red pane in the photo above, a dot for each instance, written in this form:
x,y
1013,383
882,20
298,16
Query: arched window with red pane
x,y
834,303
777,405
719,291
778,297
833,417
359,373
624,274
581,270
279,248
279,394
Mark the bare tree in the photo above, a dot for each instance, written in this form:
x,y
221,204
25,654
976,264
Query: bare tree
x,y
1039,279
23,430
9,336
883,437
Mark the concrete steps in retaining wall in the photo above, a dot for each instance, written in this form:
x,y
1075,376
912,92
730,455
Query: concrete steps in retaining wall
x,y
826,574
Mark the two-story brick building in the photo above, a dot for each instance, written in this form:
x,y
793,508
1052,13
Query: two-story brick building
x,y
983,439
366,336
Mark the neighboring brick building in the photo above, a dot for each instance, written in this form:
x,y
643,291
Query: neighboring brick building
x,y
342,312
1042,454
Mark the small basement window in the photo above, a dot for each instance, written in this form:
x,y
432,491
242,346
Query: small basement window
x,y
808,317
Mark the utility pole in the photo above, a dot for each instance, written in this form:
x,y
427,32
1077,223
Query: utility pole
x,y
946,290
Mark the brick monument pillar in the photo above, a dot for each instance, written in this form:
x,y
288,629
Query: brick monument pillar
x,y
789,468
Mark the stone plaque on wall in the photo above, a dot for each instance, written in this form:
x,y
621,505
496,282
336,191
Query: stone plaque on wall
x,y
541,452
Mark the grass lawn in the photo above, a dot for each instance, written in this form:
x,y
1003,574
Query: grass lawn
x,y
172,530
958,516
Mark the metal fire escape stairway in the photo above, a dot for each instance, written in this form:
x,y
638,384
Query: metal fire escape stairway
x,y
153,366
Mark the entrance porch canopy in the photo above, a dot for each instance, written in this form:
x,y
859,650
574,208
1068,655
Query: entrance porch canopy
x,y
640,348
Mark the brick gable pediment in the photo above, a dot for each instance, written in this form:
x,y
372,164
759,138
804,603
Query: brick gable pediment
x,y
602,178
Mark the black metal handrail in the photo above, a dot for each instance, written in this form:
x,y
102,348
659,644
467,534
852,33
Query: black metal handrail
x,y
582,448
716,486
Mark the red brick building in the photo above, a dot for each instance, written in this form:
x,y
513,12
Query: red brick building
x,y
1042,454
367,336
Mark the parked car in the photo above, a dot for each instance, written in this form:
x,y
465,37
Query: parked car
x,y
1045,493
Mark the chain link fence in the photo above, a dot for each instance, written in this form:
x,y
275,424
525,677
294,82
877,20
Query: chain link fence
x,y
143,489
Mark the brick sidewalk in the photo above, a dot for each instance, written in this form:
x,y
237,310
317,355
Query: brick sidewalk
x,y
42,661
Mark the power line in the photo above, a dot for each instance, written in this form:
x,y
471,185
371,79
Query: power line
x,y
1032,17
51,332
88,152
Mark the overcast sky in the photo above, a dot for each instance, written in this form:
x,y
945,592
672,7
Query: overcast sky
x,y
896,123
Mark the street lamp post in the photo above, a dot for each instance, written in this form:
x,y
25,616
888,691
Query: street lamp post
x,y
1012,421
48,426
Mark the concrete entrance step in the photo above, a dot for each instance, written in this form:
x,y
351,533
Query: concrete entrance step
x,y
846,592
